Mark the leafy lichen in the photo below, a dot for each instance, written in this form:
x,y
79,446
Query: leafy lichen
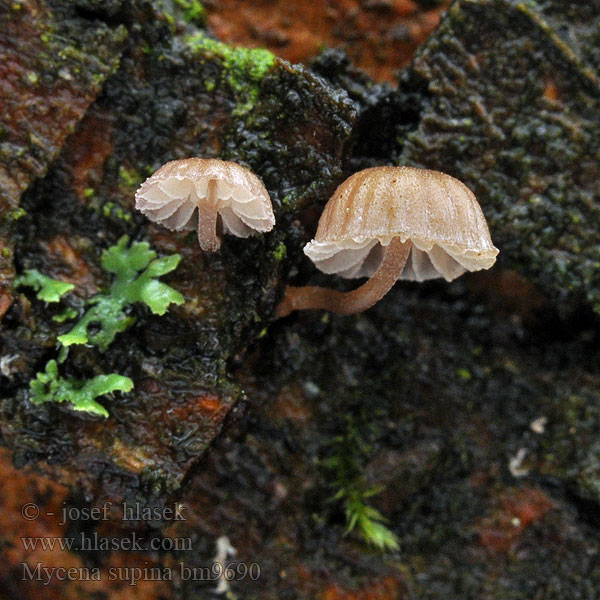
x,y
48,289
136,270
50,386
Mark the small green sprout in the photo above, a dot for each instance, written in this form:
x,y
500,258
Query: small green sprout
x,y
48,289
129,286
368,521
353,492
49,386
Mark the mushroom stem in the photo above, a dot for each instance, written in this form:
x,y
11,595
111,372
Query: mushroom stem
x,y
394,259
207,220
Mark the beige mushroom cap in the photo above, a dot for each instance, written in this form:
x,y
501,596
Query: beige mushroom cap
x,y
174,192
436,212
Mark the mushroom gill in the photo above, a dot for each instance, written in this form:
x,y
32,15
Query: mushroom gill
x,y
203,194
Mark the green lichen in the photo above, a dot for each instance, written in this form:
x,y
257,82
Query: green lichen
x,y
243,68
48,289
136,270
49,386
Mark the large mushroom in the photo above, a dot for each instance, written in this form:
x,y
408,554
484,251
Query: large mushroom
x,y
193,193
391,223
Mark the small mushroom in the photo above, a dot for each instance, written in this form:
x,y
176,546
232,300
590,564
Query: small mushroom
x,y
391,223
226,196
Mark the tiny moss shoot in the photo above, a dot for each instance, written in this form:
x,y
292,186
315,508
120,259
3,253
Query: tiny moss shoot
x,y
345,463
48,289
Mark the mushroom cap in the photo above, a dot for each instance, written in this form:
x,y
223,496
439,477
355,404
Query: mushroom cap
x,y
436,212
171,195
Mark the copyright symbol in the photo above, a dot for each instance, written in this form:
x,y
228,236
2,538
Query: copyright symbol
x,y
30,511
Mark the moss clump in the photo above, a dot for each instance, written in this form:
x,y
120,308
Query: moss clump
x,y
192,11
243,68
280,252
130,177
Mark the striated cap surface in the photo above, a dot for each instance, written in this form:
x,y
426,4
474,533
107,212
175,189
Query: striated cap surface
x,y
436,212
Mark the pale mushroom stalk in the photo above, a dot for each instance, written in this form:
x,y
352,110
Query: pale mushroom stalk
x,y
207,219
394,259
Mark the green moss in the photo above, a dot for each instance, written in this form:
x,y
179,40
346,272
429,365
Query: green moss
x,y
193,11
15,215
111,209
280,252
345,464
243,68
130,177
170,19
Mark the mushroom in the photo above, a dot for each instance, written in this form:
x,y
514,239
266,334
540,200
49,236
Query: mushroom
x,y
216,188
391,223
